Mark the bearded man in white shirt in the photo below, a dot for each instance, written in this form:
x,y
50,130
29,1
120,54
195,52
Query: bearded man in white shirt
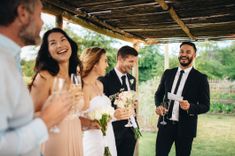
x,y
20,132
192,97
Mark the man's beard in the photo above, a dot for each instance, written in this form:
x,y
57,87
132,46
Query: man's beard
x,y
28,34
190,59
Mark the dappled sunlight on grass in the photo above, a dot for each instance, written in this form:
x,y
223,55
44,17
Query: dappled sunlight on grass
x,y
215,137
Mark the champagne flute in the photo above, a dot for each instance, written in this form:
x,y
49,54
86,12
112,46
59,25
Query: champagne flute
x,y
76,80
57,88
165,106
76,89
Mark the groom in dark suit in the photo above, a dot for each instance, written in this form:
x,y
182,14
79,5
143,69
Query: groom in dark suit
x,y
117,79
181,115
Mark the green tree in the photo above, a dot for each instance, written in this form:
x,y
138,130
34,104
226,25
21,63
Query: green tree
x,y
227,57
93,39
27,67
151,63
217,62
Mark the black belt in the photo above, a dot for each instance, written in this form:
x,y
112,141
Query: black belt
x,y
172,122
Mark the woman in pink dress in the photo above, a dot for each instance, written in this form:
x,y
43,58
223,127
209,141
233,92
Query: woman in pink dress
x,y
57,58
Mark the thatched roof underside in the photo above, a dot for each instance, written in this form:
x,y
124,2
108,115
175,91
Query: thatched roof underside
x,y
151,21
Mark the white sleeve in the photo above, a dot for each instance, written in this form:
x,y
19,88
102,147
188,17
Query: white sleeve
x,y
19,133
23,139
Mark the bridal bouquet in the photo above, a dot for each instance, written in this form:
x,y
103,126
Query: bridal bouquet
x,y
102,115
126,99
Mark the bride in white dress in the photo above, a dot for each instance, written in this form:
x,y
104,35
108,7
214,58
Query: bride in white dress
x,y
94,61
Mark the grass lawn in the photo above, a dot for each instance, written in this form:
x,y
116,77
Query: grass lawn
x,y
215,137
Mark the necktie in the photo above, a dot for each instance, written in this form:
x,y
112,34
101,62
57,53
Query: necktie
x,y
175,91
124,83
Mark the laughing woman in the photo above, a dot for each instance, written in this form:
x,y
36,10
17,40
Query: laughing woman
x,y
57,58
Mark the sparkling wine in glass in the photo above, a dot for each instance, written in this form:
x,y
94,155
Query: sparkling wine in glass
x,y
165,106
57,88
76,80
76,90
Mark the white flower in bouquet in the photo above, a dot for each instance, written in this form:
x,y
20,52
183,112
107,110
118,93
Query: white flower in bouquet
x,y
126,99
102,115
95,115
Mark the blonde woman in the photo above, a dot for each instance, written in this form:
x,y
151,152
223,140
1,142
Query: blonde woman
x,y
94,62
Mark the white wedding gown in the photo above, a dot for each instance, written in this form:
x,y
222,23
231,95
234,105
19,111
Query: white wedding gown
x,y
93,140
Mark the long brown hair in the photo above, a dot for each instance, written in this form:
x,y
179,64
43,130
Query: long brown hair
x,y
89,58
44,61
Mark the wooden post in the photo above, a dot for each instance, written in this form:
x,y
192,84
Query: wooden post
x,y
135,72
59,21
176,18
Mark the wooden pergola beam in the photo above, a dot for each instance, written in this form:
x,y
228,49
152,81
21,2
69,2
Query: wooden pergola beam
x,y
97,29
176,18
106,29
104,24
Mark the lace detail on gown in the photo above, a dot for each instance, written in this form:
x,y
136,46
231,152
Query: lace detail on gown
x,y
93,140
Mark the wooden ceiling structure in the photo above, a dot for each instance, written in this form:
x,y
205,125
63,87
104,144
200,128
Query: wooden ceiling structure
x,y
151,21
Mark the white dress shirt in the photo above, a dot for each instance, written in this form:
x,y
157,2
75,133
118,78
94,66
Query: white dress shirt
x,y
20,134
120,74
175,111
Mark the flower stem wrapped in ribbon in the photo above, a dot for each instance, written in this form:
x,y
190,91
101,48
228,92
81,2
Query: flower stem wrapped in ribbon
x,y
126,99
102,115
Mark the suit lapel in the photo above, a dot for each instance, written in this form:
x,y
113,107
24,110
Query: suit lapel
x,y
115,79
116,82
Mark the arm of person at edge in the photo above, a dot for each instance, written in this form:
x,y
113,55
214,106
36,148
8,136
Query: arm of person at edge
x,y
21,139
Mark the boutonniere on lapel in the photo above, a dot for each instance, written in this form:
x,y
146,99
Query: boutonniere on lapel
x,y
132,81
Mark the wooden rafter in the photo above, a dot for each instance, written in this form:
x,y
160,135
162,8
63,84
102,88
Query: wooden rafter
x,y
175,17
104,24
155,21
75,16
97,29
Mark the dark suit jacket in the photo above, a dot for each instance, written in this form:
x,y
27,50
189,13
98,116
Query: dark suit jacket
x,y
113,85
196,91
